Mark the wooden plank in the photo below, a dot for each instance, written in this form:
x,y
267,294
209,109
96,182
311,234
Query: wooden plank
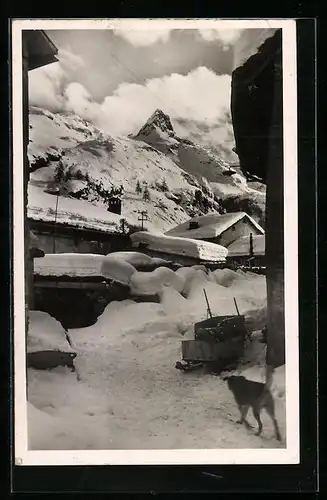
x,y
67,284
198,350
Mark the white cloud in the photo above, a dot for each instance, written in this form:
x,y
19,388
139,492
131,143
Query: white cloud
x,y
69,60
45,87
142,37
47,83
227,37
201,97
79,101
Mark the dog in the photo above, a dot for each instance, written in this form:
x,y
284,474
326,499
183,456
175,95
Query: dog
x,y
255,394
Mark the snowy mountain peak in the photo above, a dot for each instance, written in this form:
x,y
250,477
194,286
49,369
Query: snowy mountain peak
x,y
160,120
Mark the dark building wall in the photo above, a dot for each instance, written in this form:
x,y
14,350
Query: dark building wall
x,y
66,244
27,259
275,224
257,114
71,240
37,51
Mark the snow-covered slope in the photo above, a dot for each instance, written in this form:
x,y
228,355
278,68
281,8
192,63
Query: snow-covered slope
x,y
92,162
171,178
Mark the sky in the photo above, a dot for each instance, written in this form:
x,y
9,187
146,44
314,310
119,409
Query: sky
x,y
116,78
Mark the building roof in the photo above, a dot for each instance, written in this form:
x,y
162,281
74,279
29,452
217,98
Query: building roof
x,y
256,86
40,49
241,247
186,247
211,225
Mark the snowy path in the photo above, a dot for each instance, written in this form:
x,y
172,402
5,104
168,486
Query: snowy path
x,y
152,405
131,397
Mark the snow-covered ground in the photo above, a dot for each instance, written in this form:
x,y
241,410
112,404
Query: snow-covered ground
x,y
130,395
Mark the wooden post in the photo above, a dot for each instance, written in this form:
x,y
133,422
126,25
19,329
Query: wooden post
x,y
257,114
275,228
28,259
251,246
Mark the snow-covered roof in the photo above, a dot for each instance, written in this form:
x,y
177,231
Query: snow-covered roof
x,y
74,265
84,265
72,212
211,225
241,247
187,247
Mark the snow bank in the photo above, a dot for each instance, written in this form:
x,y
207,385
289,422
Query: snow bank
x,y
45,333
226,277
196,249
116,268
221,299
141,261
150,283
134,258
69,264
253,286
198,279
122,321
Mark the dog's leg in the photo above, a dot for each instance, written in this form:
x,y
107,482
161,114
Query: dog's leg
x,y
277,433
271,412
256,414
244,411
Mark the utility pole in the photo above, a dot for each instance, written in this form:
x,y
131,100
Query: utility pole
x,y
251,245
123,225
54,191
143,217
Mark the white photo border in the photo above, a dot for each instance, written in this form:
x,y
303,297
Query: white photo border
x,y
288,455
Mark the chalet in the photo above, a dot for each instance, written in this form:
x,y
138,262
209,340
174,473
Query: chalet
x,y
257,117
220,229
247,251
77,237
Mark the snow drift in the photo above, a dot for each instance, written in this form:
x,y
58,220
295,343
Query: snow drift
x,y
45,333
151,283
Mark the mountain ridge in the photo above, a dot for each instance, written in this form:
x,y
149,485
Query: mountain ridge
x,y
92,162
